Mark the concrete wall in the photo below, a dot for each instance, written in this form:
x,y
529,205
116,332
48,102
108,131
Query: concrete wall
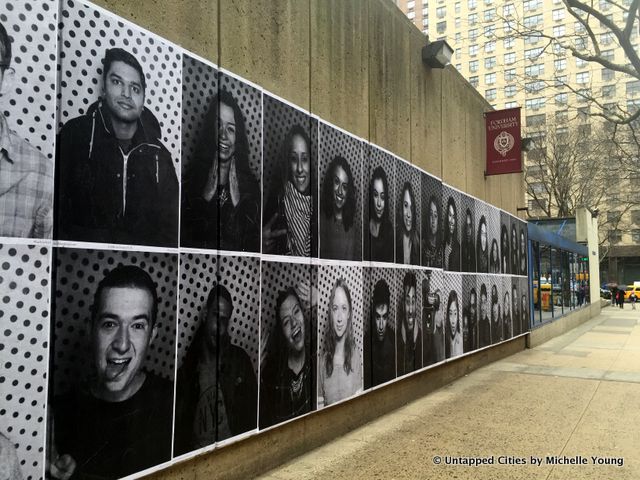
x,y
354,63
587,232
562,325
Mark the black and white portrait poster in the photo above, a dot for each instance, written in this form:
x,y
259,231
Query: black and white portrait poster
x,y
523,242
28,57
289,306
496,288
505,243
340,167
379,201
119,131
409,329
507,313
493,216
218,355
451,235
523,292
483,287
23,355
221,194
432,222
453,315
112,379
433,311
482,237
289,173
340,333
380,297
468,302
468,219
409,209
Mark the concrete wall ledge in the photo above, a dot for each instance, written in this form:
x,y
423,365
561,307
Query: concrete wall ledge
x,y
259,453
546,332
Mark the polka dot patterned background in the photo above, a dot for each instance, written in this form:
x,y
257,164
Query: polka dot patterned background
x,y
446,194
277,277
278,119
241,276
430,186
85,35
333,142
199,86
77,274
327,277
371,276
30,106
378,158
408,173
250,102
24,316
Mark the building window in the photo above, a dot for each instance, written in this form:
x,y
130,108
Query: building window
x,y
533,87
560,81
582,77
507,26
534,120
441,12
615,236
509,91
441,27
558,31
411,5
509,58
557,14
606,38
534,70
508,43
531,39
608,91
635,236
562,116
534,103
489,62
489,14
579,27
531,5
635,217
532,53
473,18
508,10
533,21
411,15
560,64
633,88
561,98
490,94
457,22
489,31
509,74
473,34
583,113
490,47
608,55
457,7
425,23
473,50
472,4
580,63
458,37
489,78
583,95
510,104
473,66
474,81
607,74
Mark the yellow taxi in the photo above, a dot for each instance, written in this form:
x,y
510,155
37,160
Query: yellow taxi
x,y
635,288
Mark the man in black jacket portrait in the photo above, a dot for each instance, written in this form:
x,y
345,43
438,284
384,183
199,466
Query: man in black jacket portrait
x,y
116,182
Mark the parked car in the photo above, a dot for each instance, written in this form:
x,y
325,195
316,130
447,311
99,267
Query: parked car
x,y
605,293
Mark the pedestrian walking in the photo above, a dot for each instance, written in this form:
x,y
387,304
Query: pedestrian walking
x,y
633,299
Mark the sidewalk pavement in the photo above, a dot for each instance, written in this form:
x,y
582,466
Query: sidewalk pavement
x,y
571,399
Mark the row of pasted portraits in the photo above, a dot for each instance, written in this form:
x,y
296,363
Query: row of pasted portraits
x,y
155,147
297,336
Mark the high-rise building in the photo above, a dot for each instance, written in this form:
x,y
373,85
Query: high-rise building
x,y
552,86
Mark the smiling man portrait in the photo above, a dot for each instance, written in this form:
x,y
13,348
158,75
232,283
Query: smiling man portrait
x,y
119,421
116,180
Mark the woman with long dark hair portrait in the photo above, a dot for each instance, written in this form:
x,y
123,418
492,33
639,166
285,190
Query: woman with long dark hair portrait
x,y
504,249
482,246
337,232
515,262
523,253
432,244
407,240
506,317
496,322
453,343
287,380
288,224
380,231
494,259
221,196
468,243
451,241
340,371
484,325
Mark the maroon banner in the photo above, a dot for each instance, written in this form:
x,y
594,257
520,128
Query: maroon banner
x,y
504,142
